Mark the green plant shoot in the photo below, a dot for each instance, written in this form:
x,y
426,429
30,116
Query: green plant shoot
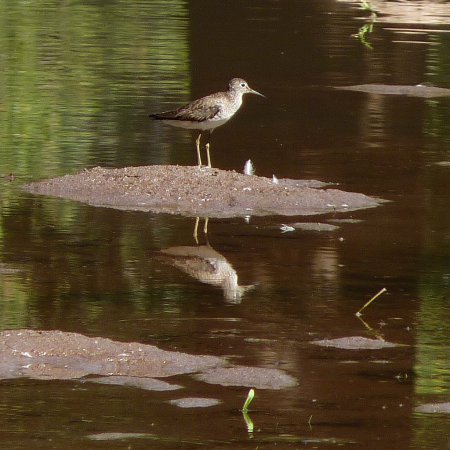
x,y
250,397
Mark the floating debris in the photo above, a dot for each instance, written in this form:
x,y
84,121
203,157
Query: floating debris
x,y
249,168
285,228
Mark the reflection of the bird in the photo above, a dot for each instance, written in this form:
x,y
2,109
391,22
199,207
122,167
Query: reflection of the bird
x,y
206,265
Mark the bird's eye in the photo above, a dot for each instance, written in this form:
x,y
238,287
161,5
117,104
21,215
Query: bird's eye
x,y
243,84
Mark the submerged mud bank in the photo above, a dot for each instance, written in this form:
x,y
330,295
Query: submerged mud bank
x,y
57,355
420,90
194,191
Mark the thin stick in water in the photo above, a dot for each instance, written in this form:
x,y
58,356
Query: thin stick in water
x,y
358,313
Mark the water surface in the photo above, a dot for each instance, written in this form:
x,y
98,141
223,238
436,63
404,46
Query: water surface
x,y
77,82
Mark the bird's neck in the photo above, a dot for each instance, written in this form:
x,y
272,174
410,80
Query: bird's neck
x,y
235,98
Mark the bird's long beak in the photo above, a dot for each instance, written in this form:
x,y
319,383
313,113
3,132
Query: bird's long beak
x,y
252,91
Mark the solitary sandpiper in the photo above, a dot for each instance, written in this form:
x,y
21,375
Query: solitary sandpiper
x,y
208,113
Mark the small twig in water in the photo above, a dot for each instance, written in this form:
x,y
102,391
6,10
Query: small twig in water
x,y
358,313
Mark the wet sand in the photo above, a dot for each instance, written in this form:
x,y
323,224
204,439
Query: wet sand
x,y
58,355
194,191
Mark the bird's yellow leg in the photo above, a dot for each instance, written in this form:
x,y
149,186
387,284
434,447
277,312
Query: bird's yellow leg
x,y
199,156
197,220
207,154
205,228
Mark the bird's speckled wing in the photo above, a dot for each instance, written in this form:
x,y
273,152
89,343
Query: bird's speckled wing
x,y
197,111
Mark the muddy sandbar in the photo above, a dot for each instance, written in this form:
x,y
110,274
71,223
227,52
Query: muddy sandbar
x,y
356,343
194,191
420,90
57,355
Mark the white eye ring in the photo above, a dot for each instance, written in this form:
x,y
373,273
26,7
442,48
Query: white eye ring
x,y
243,85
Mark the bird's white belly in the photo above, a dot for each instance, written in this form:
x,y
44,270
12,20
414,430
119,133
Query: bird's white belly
x,y
205,125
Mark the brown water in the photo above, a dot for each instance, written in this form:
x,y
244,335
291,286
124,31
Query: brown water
x,y
77,81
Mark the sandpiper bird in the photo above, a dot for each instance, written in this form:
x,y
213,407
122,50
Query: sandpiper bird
x,y
208,266
208,113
